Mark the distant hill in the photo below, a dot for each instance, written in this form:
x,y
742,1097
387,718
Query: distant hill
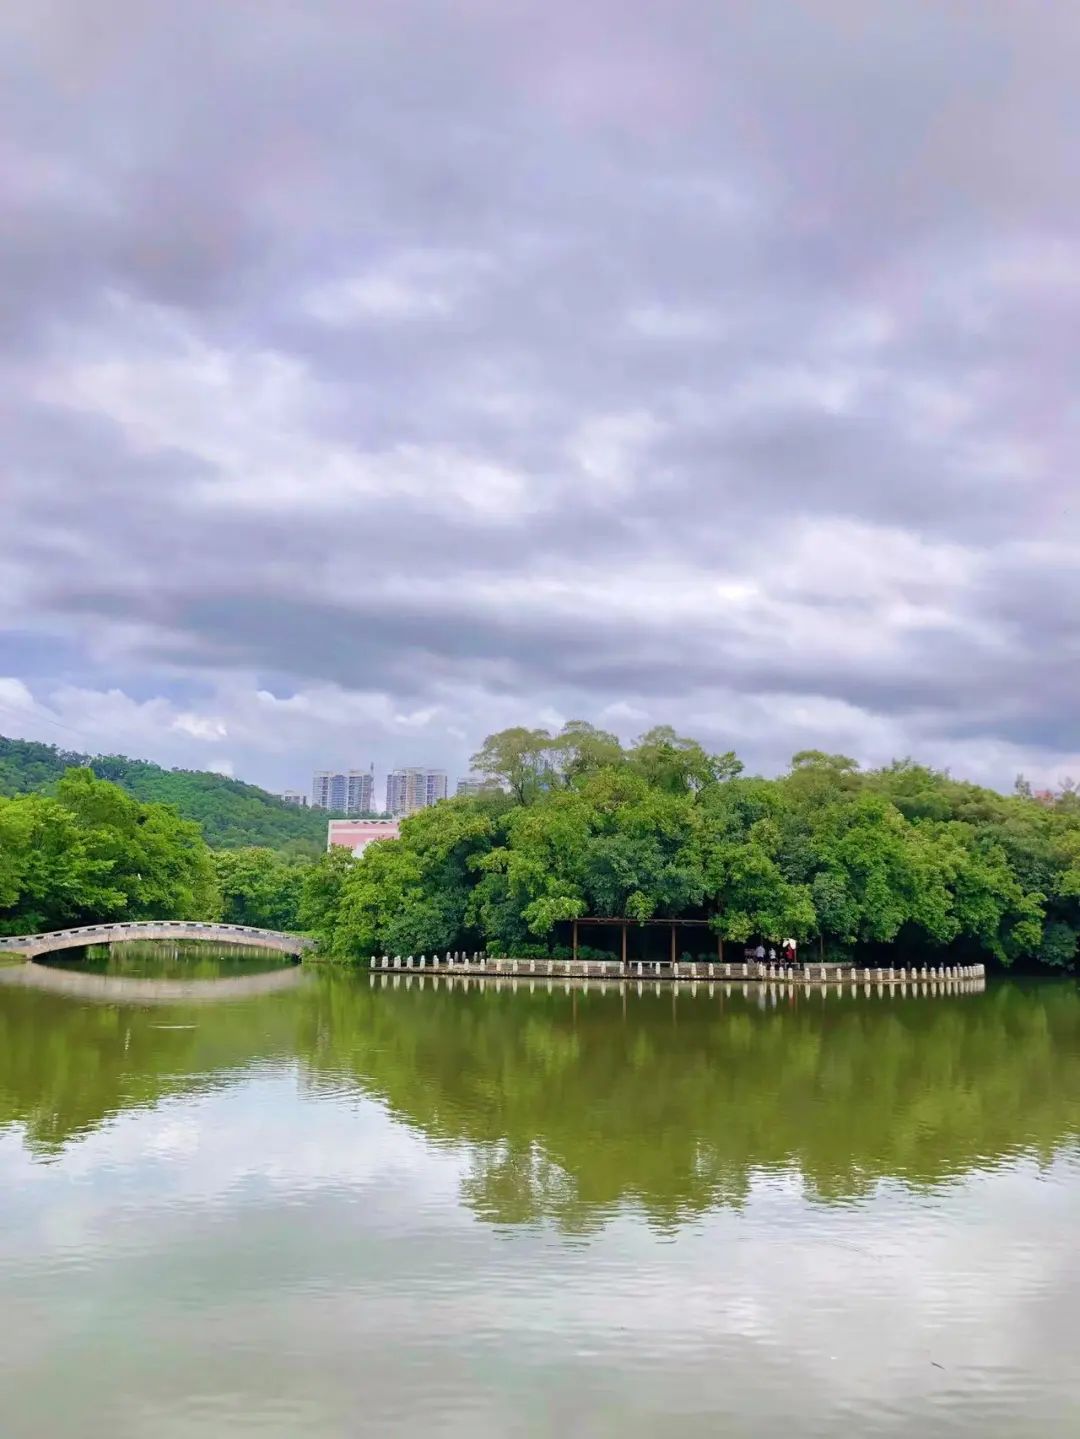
x,y
231,813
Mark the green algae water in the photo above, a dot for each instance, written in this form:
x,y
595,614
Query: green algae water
x,y
352,1205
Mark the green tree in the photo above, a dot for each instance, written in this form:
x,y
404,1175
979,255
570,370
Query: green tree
x,y
92,853
321,893
259,887
406,895
580,749
159,861
1059,944
49,876
679,765
519,758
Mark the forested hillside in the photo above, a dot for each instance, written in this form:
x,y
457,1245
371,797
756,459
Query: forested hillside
x,y
232,814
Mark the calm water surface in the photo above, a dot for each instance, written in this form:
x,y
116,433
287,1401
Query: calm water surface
x,y
350,1207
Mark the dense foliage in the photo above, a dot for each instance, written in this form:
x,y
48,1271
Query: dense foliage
x,y
259,887
88,851
902,856
91,852
232,814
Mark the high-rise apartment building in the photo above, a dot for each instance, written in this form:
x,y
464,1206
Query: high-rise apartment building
x,y
346,791
413,788
329,789
435,784
361,795
475,783
295,798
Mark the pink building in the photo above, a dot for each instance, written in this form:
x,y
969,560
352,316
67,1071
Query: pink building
x,y
357,834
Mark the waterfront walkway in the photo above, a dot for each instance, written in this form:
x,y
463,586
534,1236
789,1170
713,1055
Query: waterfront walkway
x,y
656,970
765,992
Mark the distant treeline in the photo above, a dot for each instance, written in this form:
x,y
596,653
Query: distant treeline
x,y
231,814
903,856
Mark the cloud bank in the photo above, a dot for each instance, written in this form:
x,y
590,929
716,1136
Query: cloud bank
x,y
377,376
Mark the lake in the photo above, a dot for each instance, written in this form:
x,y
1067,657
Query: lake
x,y
346,1204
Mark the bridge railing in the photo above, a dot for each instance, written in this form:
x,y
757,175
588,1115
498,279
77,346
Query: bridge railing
x,y
125,926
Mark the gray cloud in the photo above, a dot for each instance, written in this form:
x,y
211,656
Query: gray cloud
x,y
442,368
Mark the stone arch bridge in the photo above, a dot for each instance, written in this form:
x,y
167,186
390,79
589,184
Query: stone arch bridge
x,y
33,946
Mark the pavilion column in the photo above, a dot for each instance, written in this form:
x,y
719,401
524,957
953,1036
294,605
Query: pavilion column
x,y
624,928
575,939
673,949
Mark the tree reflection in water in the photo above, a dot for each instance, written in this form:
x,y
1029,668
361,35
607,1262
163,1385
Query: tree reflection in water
x,y
572,1106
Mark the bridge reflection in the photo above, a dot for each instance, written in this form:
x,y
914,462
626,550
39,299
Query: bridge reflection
x,y
123,989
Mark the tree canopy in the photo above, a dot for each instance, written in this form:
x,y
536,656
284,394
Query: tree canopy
x,y
579,825
91,852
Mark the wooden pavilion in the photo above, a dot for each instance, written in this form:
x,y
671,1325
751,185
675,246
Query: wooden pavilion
x,y
623,925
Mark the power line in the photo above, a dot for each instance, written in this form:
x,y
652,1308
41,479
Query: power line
x,y
36,714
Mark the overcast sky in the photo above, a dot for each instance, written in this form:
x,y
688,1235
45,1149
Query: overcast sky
x,y
376,375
